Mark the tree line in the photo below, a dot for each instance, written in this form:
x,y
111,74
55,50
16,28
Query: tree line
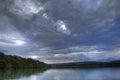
x,y
88,64
16,62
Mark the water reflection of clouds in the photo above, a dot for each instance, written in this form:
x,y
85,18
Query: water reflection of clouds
x,y
81,74
70,74
33,77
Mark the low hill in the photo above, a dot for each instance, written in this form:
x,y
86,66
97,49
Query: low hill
x,y
91,64
16,62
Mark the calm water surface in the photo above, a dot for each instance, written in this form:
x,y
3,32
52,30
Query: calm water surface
x,y
62,74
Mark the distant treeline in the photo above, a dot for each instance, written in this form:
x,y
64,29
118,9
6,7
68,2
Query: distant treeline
x,y
16,62
111,64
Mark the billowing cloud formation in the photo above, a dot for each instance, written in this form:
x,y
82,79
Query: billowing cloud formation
x,y
61,30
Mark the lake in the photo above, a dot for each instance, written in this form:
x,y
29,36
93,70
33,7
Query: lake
x,y
62,74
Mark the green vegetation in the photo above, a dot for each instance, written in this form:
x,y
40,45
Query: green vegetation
x,y
92,64
16,62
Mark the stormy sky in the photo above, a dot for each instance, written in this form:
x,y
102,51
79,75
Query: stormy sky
x,y
57,31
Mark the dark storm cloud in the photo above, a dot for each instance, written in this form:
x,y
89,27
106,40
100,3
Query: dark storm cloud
x,y
60,29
